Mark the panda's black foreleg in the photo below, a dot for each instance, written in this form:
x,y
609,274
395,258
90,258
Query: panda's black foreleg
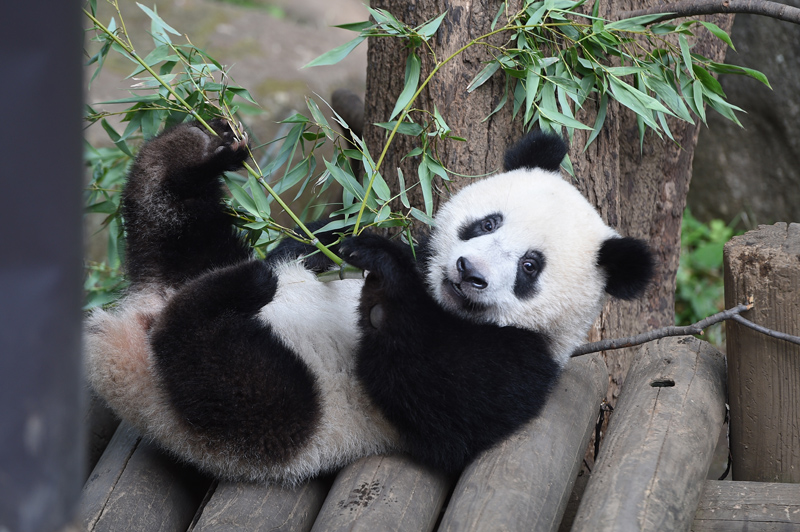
x,y
175,222
452,386
225,371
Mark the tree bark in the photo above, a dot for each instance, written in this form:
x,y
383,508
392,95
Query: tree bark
x,y
639,193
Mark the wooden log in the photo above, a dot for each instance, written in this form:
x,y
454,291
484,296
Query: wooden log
x,y
101,424
257,507
525,482
660,440
135,486
748,506
764,372
386,493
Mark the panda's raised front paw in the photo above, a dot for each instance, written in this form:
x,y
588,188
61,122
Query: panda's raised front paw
x,y
229,147
376,254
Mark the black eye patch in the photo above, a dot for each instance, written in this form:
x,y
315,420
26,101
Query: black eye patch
x,y
484,226
529,267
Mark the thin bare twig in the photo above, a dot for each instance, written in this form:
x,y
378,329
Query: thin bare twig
x,y
693,8
764,330
649,336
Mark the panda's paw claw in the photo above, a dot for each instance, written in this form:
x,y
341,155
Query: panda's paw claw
x,y
228,145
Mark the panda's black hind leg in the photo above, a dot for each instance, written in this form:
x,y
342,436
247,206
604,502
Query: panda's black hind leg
x,y
175,222
225,371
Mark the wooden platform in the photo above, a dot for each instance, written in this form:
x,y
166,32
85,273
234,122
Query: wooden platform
x,y
650,474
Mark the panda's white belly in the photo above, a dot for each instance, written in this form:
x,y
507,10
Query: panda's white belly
x,y
318,322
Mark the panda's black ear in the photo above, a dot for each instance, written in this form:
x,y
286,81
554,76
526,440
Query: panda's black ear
x,y
536,150
628,263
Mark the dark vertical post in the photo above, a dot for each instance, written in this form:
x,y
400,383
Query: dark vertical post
x,y
41,441
764,372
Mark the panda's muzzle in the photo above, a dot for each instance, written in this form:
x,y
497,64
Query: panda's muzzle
x,y
470,275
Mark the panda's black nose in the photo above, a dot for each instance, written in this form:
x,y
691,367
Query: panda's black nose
x,y
470,275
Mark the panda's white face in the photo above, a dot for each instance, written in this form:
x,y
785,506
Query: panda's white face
x,y
521,249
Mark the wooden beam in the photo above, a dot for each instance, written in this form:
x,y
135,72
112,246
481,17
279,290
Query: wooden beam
x,y
764,372
256,507
525,482
660,440
135,486
386,493
748,506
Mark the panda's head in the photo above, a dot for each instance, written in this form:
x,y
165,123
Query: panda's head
x,y
525,248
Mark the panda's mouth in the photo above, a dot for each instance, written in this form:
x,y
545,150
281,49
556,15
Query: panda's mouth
x,y
455,293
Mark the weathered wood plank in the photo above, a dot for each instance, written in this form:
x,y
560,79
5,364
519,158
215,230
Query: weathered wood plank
x,y
256,508
660,441
748,506
386,493
764,372
135,486
525,482
101,424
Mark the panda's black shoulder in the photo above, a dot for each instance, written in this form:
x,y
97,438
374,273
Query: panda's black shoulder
x,y
536,150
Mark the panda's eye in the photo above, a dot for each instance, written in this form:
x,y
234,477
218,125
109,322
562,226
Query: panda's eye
x,y
483,226
532,262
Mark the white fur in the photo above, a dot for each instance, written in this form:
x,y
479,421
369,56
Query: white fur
x,y
540,211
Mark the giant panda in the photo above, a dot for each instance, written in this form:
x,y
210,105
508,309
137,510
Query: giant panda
x,y
255,370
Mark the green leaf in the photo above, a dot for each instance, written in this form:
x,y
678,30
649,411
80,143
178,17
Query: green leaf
x,y
560,118
405,128
633,23
599,121
422,217
718,32
482,76
428,29
413,66
115,138
345,179
158,28
697,94
403,195
259,197
242,197
687,57
426,183
722,68
332,57
500,11
531,89
708,80
623,94
356,26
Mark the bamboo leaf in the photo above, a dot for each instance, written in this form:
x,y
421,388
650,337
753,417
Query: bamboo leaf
x,y
405,128
413,66
599,121
633,23
482,76
428,29
697,95
687,57
718,32
259,197
242,197
422,217
332,57
403,194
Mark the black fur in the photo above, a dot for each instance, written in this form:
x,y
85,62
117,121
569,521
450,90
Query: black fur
x,y
173,216
226,373
629,266
313,259
453,387
536,150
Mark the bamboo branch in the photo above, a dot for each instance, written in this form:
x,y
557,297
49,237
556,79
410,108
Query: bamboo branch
x,y
695,328
693,8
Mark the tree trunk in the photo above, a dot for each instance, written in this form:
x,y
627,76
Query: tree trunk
x,y
639,193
